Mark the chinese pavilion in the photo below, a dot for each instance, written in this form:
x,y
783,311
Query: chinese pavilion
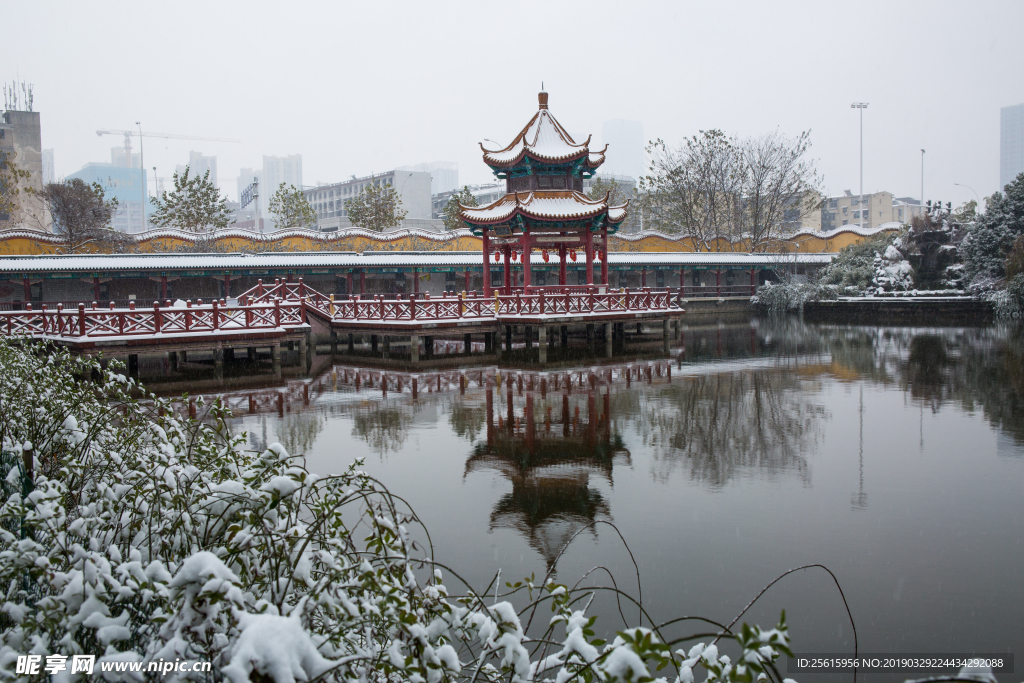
x,y
544,206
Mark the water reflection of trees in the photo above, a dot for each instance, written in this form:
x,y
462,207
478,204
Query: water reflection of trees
x,y
466,419
977,368
721,425
298,431
384,428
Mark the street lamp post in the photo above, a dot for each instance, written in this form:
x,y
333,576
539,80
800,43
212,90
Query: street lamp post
x,y
142,178
862,106
976,197
922,177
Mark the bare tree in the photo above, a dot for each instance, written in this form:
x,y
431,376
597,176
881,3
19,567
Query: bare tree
x,y
81,217
716,189
779,186
694,189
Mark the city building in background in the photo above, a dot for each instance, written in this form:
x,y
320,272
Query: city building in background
x,y
198,165
49,175
118,157
413,188
625,140
21,140
878,208
1011,144
444,175
126,184
276,170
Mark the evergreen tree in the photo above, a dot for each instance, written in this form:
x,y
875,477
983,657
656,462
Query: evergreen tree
x,y
377,208
451,209
991,238
194,205
290,208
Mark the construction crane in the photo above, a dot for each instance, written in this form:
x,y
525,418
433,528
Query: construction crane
x,y
129,133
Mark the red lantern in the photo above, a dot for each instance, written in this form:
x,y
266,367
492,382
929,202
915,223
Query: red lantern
x,y
599,255
545,254
497,256
572,255
515,255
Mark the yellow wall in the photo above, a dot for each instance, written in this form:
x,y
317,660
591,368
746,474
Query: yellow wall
x,y
21,242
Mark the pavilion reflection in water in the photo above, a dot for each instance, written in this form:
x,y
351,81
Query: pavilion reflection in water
x,y
549,440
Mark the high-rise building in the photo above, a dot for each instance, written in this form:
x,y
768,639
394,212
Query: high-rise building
x,y
1011,144
49,175
444,175
119,159
21,141
198,165
625,156
412,187
124,184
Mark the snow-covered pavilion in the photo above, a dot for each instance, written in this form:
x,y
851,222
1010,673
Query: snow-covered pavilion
x,y
544,208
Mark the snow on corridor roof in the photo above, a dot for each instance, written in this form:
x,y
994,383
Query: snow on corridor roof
x,y
169,262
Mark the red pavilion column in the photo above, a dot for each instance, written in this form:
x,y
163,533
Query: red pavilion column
x,y
96,289
561,264
487,264
466,287
524,241
507,253
590,257
415,280
604,256
362,282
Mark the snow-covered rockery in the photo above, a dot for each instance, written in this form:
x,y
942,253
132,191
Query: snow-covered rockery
x,y
133,534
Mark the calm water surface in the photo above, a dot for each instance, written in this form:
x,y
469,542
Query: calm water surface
x,y
894,456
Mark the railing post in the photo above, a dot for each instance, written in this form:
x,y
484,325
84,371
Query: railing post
x,y
462,306
591,299
81,320
302,307
541,302
412,306
519,303
248,316
259,287
156,317
277,311
188,315
332,306
216,314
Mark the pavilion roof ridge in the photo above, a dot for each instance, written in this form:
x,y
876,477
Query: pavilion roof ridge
x,y
545,139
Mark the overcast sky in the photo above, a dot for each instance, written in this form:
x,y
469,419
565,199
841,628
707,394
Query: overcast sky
x,y
361,87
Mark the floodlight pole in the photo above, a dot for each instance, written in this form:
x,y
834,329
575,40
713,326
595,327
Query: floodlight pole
x,y
142,179
862,106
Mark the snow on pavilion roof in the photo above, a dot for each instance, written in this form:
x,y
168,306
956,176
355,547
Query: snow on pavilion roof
x,y
543,139
549,206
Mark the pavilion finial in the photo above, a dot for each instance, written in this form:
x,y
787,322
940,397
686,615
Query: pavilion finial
x,y
542,97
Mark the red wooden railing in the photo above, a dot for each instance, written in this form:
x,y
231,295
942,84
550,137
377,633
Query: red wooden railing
x,y
93,323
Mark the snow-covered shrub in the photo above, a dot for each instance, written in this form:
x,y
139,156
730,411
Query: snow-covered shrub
x,y
893,271
135,534
785,297
853,269
1009,301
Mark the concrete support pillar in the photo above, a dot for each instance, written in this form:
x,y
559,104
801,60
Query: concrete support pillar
x,y
542,343
275,354
302,351
351,342
665,334
334,342
467,342
172,360
608,340
183,357
414,348
387,346
218,356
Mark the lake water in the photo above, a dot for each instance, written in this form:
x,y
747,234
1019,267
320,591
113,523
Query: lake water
x,y
894,456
